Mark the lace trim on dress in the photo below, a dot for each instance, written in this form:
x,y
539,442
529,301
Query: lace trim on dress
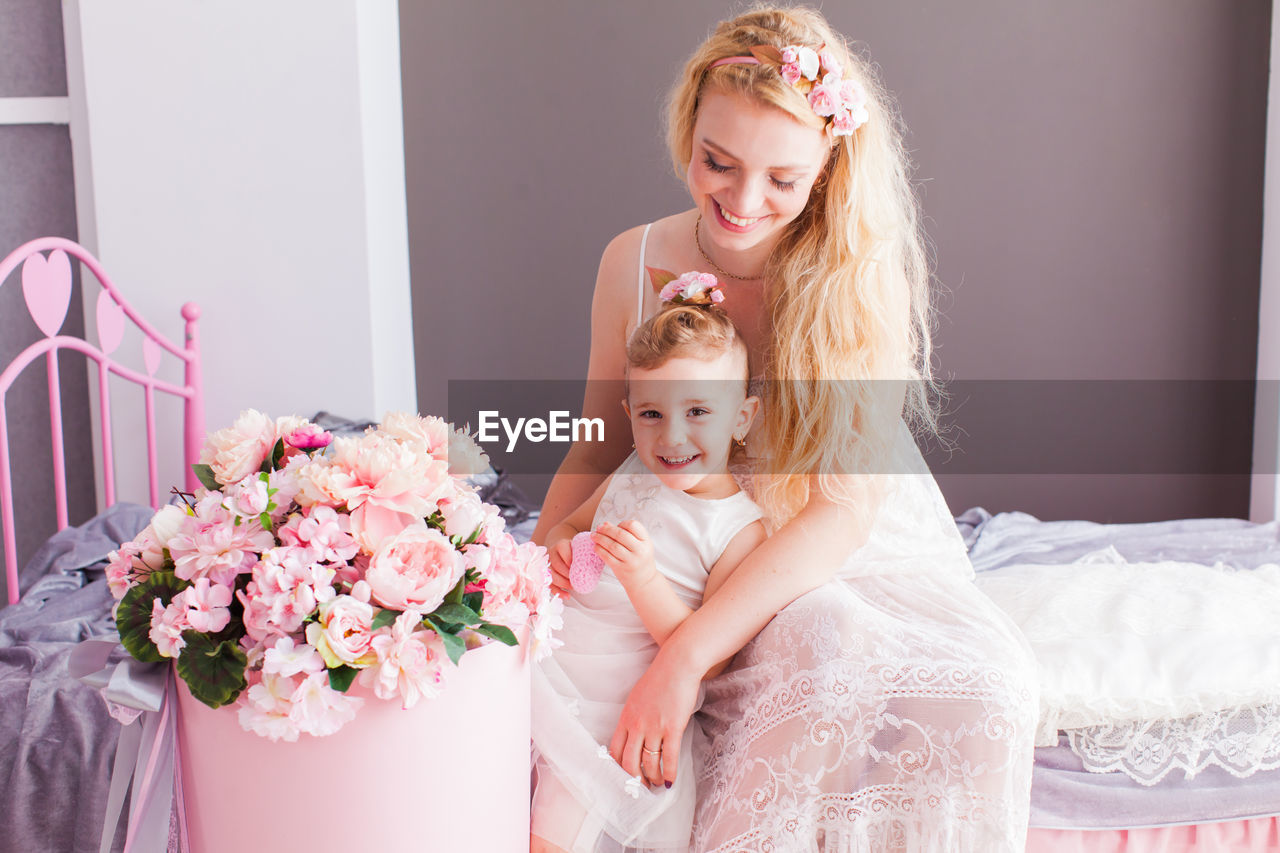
x,y
1241,741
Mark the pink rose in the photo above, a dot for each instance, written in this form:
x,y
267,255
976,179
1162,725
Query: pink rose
x,y
251,496
343,633
237,451
411,661
852,94
414,569
825,97
791,73
791,54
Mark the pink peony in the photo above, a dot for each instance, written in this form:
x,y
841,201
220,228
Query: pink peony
x,y
167,625
411,661
343,633
465,456
430,435
207,605
414,569
237,451
464,514
517,581
308,437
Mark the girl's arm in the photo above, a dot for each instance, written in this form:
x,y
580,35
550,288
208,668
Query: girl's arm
x,y
628,550
589,462
800,556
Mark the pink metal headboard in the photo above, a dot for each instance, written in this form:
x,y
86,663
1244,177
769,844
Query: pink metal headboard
x,y
46,285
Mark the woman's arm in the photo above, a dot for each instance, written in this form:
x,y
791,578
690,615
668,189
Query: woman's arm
x,y
589,462
800,556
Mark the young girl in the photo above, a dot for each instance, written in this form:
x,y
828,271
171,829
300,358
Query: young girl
x,y
670,524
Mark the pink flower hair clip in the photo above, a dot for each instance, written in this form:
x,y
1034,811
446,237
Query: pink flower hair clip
x,y
818,75
691,288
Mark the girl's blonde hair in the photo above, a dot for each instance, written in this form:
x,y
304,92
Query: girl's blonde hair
x,y
677,331
847,286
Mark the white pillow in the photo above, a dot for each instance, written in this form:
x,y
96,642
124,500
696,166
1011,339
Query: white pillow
x,y
1117,641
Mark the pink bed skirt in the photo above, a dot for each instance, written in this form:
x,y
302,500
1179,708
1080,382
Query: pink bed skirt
x,y
1235,836
451,773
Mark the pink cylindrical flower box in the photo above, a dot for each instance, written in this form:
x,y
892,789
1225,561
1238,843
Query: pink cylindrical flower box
x,y
451,773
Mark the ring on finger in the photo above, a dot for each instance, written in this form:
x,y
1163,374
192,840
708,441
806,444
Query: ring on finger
x,y
648,751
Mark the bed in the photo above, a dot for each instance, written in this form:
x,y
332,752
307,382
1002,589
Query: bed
x,y
60,739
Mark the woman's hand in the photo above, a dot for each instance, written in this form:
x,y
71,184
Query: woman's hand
x,y
627,549
654,719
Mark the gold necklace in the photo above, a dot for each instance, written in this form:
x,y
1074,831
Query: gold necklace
x,y
698,242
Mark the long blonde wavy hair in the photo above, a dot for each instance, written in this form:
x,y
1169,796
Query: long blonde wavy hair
x,y
846,287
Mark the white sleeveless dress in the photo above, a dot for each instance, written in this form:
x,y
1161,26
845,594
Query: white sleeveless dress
x,y
583,801
892,709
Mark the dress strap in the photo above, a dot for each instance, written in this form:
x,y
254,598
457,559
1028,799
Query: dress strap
x,y
644,241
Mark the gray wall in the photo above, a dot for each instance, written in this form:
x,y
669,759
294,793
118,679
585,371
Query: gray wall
x,y
38,196
1091,173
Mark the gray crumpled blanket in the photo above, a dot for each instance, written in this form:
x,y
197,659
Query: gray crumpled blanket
x,y
57,741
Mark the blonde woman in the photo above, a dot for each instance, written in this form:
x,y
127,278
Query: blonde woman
x,y
877,701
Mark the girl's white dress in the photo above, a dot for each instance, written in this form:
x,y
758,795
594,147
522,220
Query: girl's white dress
x,y
892,709
583,800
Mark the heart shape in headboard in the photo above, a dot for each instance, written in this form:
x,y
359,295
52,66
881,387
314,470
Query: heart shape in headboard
x,y
46,285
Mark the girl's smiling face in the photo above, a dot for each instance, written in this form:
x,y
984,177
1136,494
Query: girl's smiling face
x,y
684,415
751,171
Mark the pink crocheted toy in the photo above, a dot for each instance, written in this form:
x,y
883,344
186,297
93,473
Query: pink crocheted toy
x,y
586,566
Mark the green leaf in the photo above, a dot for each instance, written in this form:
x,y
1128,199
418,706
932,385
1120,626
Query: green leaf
x,y
455,594
385,618
133,616
214,670
453,644
459,613
475,534
473,600
205,475
265,521
272,460
340,677
501,633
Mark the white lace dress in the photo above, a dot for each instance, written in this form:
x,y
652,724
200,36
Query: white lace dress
x,y
892,709
584,801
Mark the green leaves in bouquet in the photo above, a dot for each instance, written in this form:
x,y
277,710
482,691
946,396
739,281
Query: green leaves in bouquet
x,y
501,633
383,618
453,644
204,474
340,677
272,462
212,668
133,616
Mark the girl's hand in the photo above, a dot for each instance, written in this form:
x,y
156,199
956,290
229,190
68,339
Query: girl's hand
x,y
561,555
654,719
627,549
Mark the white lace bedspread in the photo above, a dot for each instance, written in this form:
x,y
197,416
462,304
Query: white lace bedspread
x,y
1119,645
1241,741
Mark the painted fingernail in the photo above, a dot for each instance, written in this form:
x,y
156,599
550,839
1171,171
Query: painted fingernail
x,y
668,784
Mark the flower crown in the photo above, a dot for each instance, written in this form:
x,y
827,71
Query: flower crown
x,y
691,288
818,75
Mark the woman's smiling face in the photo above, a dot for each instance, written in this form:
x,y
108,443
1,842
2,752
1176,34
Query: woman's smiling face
x,y
751,170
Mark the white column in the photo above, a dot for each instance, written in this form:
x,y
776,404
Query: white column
x,y
1264,498
249,157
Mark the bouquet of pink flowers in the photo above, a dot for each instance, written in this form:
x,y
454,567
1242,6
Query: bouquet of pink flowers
x,y
309,562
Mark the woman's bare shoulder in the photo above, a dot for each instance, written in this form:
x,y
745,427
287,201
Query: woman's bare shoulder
x,y
620,262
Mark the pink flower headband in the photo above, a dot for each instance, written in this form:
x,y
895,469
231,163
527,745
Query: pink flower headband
x,y
817,75
691,288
